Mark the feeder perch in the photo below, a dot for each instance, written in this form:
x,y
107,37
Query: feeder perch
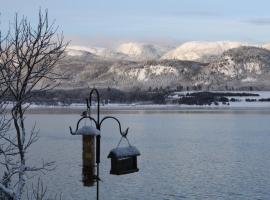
x,y
124,160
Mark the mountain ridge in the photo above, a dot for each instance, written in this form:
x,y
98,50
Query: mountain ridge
x,y
244,67
137,51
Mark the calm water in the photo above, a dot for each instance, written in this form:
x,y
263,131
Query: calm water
x,y
185,155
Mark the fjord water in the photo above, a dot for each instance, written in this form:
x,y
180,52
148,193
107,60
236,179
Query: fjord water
x,y
185,155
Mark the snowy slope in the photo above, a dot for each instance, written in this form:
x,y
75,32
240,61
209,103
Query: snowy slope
x,y
71,50
266,46
196,50
242,67
97,51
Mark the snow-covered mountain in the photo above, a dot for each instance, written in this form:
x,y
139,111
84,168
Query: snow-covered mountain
x,y
134,51
125,51
244,67
103,53
141,51
127,74
197,50
92,50
79,52
193,51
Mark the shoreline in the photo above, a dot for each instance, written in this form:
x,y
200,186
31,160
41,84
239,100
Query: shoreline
x,y
128,109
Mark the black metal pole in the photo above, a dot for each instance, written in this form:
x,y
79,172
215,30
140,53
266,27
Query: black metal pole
x,y
98,144
97,181
98,161
98,137
98,126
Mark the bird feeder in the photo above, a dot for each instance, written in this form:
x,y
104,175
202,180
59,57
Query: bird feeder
x,y
124,160
88,154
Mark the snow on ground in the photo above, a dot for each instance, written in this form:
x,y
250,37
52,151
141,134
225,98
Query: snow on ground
x,y
242,103
249,79
144,74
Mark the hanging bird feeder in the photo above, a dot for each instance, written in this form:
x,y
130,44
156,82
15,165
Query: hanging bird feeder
x,y
89,133
124,160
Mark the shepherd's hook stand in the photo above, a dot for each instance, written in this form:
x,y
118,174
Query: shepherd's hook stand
x,y
128,154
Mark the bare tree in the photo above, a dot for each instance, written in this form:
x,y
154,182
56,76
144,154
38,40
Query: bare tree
x,y
28,56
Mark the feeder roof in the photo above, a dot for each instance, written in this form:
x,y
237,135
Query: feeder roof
x,y
88,130
121,152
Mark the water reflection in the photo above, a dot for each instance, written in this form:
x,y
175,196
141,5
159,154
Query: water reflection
x,y
88,156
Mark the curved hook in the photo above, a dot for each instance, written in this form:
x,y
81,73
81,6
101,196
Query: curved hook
x,y
91,93
123,133
77,127
89,102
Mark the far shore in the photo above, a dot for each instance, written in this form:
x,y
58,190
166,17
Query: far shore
x,y
122,109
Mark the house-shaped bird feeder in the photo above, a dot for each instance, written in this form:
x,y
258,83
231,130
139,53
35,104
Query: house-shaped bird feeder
x,y
124,160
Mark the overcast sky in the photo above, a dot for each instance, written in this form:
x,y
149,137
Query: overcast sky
x,y
106,23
